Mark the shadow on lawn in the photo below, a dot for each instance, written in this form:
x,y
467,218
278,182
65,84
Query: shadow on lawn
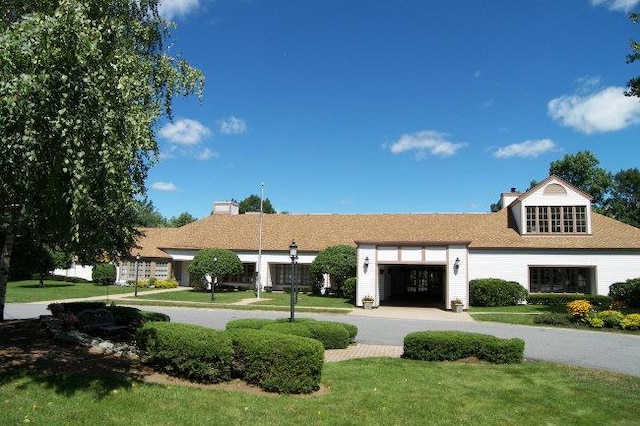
x,y
28,353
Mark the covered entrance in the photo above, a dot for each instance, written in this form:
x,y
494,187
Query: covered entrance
x,y
413,285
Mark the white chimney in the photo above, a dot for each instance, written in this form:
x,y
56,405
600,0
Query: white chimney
x,y
507,198
226,207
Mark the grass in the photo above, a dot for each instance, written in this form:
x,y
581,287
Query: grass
x,y
30,290
358,392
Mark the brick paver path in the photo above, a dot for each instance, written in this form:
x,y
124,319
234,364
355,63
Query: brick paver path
x,y
360,350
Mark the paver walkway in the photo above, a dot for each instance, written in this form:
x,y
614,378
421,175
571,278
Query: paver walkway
x,y
360,350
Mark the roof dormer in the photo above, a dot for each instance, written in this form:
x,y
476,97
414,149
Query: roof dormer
x,y
553,207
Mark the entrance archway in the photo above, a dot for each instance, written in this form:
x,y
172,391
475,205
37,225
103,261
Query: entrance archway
x,y
414,285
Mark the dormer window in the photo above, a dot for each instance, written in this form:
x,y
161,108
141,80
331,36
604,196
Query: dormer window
x,y
556,219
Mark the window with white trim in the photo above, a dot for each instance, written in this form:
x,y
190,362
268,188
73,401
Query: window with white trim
x,y
556,219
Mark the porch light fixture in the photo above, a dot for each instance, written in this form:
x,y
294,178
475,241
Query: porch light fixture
x,y
135,291
293,254
456,264
366,263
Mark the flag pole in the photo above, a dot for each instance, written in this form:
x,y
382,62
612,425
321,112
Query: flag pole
x,y
259,266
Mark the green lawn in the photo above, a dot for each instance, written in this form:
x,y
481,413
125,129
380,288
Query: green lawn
x,y
30,291
267,299
357,392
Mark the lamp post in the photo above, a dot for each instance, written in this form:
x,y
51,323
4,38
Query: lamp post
x,y
293,254
135,291
215,277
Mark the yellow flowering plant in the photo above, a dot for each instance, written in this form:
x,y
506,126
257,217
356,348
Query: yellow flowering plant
x,y
579,309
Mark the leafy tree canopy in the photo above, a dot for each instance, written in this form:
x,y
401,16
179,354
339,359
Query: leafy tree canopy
x,y
634,83
83,84
182,219
583,171
338,261
147,216
226,263
624,204
252,204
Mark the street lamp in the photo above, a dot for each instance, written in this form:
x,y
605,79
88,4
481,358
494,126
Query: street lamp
x,y
293,254
215,277
135,291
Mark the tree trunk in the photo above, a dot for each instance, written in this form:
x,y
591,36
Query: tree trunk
x,y
5,259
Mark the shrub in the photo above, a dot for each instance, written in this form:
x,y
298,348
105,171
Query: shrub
x,y
294,328
579,309
610,318
595,322
197,353
77,307
454,345
104,273
352,329
253,323
631,322
166,284
553,319
495,292
627,292
349,289
560,300
333,335
277,362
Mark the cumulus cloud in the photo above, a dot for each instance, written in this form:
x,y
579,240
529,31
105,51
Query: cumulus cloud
x,y
171,9
196,153
619,5
605,111
233,126
164,186
424,143
185,132
526,149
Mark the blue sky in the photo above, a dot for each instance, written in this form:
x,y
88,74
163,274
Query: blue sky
x,y
392,106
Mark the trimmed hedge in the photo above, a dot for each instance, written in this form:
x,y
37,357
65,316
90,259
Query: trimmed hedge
x,y
495,292
277,362
454,345
333,335
553,318
627,292
190,351
561,299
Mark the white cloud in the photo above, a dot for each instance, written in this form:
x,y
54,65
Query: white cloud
x,y
620,5
233,126
426,142
526,149
185,132
171,9
164,186
205,154
605,111
196,153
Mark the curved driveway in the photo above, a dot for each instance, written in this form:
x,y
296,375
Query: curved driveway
x,y
615,352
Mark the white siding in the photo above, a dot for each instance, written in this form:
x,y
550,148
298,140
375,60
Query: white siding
x,y
457,280
77,271
367,278
411,254
435,254
610,267
388,254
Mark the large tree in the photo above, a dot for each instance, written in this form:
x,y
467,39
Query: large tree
x,y
624,204
83,84
634,83
252,204
583,171
147,216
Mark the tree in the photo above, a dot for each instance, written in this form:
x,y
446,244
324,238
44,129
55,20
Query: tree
x,y
582,170
337,261
634,83
624,204
83,84
183,219
147,216
226,263
103,273
252,204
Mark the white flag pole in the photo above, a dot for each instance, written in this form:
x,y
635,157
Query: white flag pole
x,y
259,265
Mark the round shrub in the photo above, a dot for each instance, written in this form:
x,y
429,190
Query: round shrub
x,y
352,329
595,322
196,353
166,284
103,273
253,323
294,328
627,292
495,292
631,322
610,319
277,362
349,289
332,335
579,309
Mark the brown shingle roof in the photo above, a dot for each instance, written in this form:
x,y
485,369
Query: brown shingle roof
x,y
316,232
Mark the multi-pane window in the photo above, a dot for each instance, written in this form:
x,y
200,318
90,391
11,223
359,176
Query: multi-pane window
x,y
559,280
162,270
556,219
281,275
247,276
